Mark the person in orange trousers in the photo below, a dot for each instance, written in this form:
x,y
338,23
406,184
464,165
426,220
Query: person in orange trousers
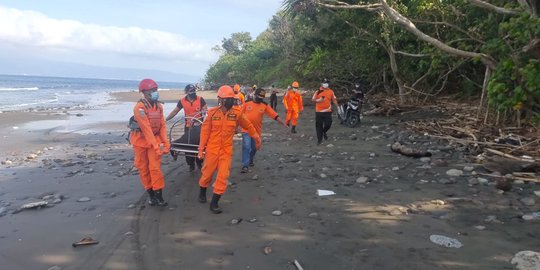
x,y
149,139
292,101
216,145
254,111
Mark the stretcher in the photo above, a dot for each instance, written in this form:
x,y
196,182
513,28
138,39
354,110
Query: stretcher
x,y
185,141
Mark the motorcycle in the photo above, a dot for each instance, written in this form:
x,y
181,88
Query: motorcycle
x,y
349,113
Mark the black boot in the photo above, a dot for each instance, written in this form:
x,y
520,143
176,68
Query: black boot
x,y
151,197
293,130
159,198
202,195
214,207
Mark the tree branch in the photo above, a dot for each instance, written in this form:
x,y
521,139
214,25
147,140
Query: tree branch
x,y
411,54
491,7
343,5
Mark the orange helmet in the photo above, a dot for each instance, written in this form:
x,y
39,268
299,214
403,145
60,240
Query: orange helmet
x,y
295,84
225,91
236,88
147,84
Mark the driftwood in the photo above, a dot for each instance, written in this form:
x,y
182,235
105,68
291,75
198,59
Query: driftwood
x,y
407,151
298,266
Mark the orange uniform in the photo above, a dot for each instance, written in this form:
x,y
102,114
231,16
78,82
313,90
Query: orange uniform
x,y
146,143
254,113
292,101
242,98
327,96
217,133
192,108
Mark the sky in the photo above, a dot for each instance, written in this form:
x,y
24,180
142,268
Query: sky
x,y
171,36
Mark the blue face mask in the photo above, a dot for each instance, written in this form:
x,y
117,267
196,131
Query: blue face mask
x,y
154,96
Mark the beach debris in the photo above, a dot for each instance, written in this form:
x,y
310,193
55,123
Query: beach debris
x,y
323,192
85,241
255,177
129,233
322,175
480,227
7,162
526,260
314,215
84,199
131,206
445,241
537,193
31,156
438,202
267,250
277,213
34,205
407,151
329,145
252,220
503,184
454,172
297,264
235,221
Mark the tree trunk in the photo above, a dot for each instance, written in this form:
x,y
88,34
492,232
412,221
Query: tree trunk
x,y
487,76
395,72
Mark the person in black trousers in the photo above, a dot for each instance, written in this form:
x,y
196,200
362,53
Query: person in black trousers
x,y
323,110
273,98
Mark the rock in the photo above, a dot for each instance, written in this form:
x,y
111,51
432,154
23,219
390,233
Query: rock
x,y
32,156
395,168
519,182
79,114
454,172
3,211
468,168
503,184
252,220
329,145
84,199
56,267
57,201
473,181
526,260
131,206
445,241
491,218
438,202
528,201
129,233
372,154
235,221
314,215
7,162
480,227
362,180
425,159
482,181
277,213
267,250
537,193
322,175
255,177
32,205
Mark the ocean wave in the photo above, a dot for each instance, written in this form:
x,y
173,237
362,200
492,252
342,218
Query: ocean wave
x,y
19,89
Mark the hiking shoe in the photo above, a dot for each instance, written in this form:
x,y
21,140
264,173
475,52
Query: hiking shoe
x,y
325,136
244,170
251,164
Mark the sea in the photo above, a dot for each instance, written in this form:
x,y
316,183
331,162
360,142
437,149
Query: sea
x,y
40,93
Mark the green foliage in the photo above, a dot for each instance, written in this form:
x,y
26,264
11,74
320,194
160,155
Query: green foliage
x,y
306,42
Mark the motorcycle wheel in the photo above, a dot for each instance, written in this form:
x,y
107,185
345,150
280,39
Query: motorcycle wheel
x,y
353,120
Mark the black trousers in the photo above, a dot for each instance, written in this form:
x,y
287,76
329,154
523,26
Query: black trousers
x,y
273,101
323,122
194,138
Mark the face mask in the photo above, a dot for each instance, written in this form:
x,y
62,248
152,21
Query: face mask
x,y
192,95
228,103
258,100
154,96
325,85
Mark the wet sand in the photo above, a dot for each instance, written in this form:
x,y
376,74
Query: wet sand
x,y
382,222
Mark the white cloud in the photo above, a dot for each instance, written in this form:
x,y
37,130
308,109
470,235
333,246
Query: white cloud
x,y
35,29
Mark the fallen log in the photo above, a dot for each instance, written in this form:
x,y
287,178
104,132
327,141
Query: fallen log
x,y
407,151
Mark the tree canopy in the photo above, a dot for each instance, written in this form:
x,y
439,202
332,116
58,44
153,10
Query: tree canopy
x,y
414,49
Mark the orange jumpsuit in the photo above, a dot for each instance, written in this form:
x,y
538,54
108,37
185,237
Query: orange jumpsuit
x,y
292,101
217,133
146,143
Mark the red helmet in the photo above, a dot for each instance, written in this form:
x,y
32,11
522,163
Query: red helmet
x,y
236,88
225,91
147,84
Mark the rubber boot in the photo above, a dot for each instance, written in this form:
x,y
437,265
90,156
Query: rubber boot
x,y
293,130
202,195
214,207
151,197
159,198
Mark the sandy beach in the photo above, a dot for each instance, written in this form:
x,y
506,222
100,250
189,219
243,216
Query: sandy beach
x,y
385,208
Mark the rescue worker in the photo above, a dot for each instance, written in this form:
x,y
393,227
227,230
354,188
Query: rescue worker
x,y
323,98
240,96
273,98
216,145
149,140
254,112
250,93
292,101
194,108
